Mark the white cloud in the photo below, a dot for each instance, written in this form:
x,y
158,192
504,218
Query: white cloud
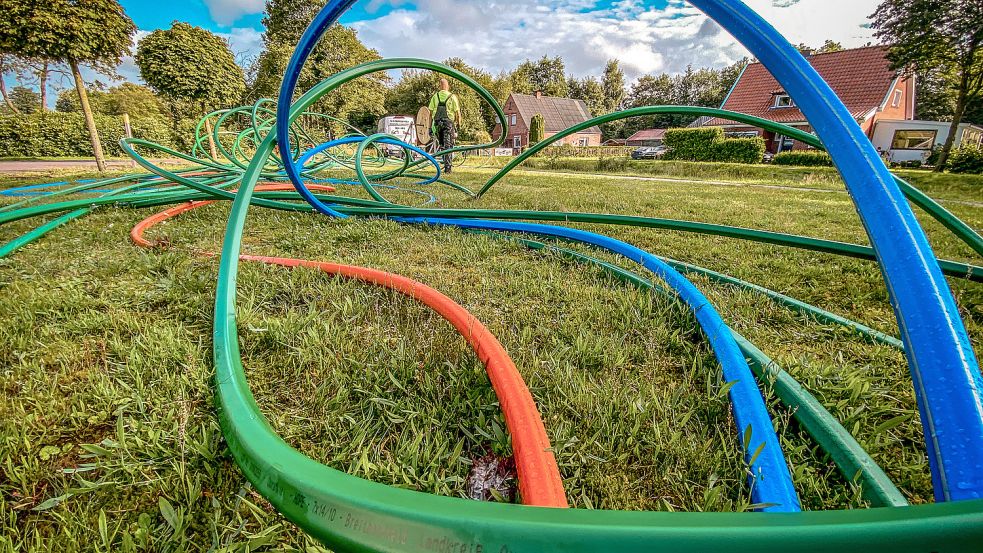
x,y
499,34
227,12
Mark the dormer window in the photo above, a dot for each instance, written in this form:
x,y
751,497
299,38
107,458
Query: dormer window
x,y
783,101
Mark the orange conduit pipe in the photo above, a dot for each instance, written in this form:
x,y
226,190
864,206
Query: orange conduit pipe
x,y
539,477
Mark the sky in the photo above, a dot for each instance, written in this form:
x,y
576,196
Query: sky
x,y
650,36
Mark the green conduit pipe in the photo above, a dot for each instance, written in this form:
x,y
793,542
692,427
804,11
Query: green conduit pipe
x,y
942,215
951,268
148,198
349,513
853,461
31,236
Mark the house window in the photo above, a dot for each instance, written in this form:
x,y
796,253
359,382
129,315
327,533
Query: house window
x,y
783,101
513,119
897,99
583,141
516,140
913,140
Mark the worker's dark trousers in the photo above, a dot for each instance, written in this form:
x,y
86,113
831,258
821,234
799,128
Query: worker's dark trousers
x,y
445,140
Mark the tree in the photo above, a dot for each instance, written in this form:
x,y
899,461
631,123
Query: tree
x,y
360,102
827,47
8,64
415,88
549,76
25,100
190,63
944,37
590,91
537,129
139,102
96,33
613,82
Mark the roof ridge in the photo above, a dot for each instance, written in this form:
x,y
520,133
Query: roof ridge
x,y
844,50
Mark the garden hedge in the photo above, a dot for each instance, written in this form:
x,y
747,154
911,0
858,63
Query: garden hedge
x,y
56,134
803,158
966,159
692,144
709,144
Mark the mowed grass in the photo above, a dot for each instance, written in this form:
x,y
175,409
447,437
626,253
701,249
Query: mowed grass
x,y
108,433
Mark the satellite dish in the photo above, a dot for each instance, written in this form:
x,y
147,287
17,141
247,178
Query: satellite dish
x,y
423,123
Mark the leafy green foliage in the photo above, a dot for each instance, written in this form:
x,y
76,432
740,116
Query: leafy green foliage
x,y
944,38
695,87
90,32
739,150
967,159
55,134
803,158
138,101
537,129
709,144
613,82
190,63
415,88
581,152
591,92
546,74
360,102
25,100
692,144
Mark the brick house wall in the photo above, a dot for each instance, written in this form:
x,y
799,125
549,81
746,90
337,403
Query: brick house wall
x,y
517,134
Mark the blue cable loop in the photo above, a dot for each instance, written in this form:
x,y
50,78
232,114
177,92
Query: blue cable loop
x,y
770,480
946,376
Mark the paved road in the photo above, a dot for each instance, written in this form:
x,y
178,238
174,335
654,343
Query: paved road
x,y
54,165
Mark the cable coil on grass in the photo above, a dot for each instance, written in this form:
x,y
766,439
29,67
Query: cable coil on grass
x,y
270,150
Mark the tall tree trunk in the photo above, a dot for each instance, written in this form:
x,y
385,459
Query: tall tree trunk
x,y
6,99
43,77
90,121
957,117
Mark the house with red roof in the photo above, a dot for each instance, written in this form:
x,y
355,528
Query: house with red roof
x,y
861,77
646,137
558,114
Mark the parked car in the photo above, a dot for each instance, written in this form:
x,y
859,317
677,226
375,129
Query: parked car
x,y
648,152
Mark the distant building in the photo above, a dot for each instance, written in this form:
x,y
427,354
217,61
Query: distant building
x,y
861,77
913,140
558,114
647,137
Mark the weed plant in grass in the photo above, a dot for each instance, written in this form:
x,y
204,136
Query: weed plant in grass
x,y
108,433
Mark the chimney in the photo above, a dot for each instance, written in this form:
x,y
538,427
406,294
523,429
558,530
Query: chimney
x,y
539,94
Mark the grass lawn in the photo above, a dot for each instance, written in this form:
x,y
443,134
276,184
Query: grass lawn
x,y
108,433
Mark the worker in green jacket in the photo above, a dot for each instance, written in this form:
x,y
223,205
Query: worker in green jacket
x,y
446,111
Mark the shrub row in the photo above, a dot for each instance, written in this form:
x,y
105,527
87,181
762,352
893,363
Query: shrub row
x,y
569,150
56,134
966,159
803,158
709,144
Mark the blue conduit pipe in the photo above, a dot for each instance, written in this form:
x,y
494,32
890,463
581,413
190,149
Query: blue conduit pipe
x,y
770,480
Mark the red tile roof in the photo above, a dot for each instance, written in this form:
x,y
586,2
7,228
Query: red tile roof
x,y
558,113
861,77
648,134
